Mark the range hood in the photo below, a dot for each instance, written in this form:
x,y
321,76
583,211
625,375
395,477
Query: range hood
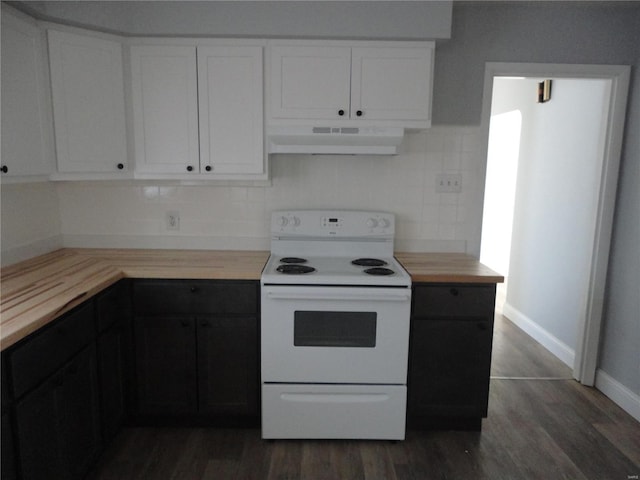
x,y
334,140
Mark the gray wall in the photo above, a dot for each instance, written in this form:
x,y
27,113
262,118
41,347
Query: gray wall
x,y
561,33
620,352
343,19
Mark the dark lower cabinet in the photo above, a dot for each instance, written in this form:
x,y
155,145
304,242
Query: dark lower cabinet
x,y
450,355
58,423
166,365
201,365
113,312
112,372
8,468
228,365
69,388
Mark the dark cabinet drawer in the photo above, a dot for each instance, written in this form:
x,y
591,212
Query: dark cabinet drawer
x,y
43,353
453,300
189,297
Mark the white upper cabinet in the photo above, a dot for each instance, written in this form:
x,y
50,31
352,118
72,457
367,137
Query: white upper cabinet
x,y
310,82
231,110
365,83
391,83
198,111
164,93
26,138
88,103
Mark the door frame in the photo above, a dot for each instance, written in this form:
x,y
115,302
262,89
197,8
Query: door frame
x,y
589,328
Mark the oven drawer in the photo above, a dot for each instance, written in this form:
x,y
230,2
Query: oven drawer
x,y
334,411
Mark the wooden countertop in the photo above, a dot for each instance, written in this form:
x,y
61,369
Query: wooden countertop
x,y
37,291
447,267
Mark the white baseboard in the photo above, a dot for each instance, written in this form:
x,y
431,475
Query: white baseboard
x,y
560,349
621,395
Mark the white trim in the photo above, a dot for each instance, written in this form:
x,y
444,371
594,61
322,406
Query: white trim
x,y
588,338
621,395
542,336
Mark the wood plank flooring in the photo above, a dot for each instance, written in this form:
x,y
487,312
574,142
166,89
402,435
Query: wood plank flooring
x,y
544,427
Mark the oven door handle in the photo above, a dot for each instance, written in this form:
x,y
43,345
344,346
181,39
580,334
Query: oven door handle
x,y
383,297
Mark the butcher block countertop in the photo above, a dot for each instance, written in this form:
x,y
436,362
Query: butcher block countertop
x,y
447,268
36,291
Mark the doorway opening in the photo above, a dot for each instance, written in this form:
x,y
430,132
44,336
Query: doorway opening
x,y
499,197
562,209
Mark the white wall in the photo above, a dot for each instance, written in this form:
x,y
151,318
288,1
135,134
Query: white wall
x,y
556,197
30,223
104,214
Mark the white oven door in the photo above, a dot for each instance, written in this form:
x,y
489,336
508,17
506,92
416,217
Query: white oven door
x,y
318,334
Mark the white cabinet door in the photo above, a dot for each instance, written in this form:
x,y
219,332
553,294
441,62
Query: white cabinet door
x,y
165,108
366,83
391,83
231,110
310,82
88,103
25,136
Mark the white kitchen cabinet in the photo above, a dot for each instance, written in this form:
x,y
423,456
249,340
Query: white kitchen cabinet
x,y
88,103
164,94
391,83
370,83
27,150
230,98
310,82
198,111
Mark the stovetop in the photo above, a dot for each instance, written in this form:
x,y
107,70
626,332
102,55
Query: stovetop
x,y
323,270
317,247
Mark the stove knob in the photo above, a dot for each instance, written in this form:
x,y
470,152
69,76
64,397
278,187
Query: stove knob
x,y
295,221
372,223
282,221
384,223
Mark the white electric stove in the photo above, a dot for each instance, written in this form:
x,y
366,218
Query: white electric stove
x,y
334,327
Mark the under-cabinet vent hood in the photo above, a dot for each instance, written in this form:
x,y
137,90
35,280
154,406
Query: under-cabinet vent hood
x,y
335,140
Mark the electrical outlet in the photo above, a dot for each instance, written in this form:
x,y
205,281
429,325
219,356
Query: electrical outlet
x,y
172,220
449,183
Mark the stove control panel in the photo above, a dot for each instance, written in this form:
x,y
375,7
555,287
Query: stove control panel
x,y
332,222
335,223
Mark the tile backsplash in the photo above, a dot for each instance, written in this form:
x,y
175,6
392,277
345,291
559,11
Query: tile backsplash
x,y
132,214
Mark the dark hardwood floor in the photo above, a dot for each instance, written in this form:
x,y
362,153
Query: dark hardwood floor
x,y
541,425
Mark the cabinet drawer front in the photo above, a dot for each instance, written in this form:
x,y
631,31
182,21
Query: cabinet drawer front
x,y
161,297
42,354
454,301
